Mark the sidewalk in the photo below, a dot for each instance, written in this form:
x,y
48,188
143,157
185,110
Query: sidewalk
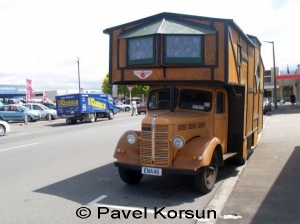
x,y
268,189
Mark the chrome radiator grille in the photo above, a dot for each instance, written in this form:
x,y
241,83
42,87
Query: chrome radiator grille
x,y
154,145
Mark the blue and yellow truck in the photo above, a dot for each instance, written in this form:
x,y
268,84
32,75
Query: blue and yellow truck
x,y
85,107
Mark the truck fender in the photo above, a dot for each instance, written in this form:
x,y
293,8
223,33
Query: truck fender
x,y
202,148
126,153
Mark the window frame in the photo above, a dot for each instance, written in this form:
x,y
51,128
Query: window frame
x,y
142,61
183,60
197,106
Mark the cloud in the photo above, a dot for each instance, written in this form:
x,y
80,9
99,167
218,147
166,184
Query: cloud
x,y
41,40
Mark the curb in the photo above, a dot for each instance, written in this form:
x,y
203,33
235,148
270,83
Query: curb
x,y
222,194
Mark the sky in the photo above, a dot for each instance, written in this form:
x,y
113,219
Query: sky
x,y
42,40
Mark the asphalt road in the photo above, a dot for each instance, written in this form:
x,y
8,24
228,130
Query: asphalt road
x,y
50,172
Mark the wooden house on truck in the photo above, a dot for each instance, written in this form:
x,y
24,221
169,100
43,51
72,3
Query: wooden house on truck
x,y
205,99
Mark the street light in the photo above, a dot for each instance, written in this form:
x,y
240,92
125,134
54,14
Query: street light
x,y
275,84
78,74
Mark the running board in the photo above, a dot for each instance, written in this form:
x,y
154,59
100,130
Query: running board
x,y
229,155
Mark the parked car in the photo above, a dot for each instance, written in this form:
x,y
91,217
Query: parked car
x,y
49,105
141,108
119,106
16,112
4,127
44,111
14,101
267,106
123,107
280,101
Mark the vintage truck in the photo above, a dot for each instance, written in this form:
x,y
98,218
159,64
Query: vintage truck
x,y
85,107
205,98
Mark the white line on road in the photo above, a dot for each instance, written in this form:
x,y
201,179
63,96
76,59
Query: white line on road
x,y
129,124
21,146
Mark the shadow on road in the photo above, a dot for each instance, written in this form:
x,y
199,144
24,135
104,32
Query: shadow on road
x,y
170,190
62,122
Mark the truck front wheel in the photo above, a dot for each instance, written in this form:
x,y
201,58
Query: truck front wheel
x,y
130,176
92,118
110,115
206,178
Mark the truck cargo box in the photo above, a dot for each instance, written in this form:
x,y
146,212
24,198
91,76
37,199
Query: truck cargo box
x,y
82,106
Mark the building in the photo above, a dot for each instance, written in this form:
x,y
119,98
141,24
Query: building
x,y
19,92
50,95
286,84
12,91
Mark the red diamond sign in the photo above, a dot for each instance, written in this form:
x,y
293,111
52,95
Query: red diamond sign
x,y
143,74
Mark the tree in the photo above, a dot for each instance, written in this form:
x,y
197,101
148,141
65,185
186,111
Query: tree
x,y
106,87
137,90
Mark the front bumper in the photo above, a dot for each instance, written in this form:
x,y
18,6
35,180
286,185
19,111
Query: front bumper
x,y
165,171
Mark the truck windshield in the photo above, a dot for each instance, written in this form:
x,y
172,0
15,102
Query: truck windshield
x,y
195,99
160,99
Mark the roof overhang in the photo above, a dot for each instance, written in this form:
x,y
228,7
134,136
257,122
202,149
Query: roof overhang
x,y
166,26
288,80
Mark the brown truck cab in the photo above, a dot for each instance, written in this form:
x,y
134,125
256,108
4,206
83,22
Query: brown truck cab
x,y
204,104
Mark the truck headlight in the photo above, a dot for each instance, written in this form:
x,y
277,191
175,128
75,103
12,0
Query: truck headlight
x,y
131,138
178,142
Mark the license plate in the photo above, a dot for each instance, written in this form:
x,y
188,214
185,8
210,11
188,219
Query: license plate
x,y
152,171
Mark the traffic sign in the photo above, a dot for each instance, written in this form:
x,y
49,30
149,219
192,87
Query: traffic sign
x,y
129,88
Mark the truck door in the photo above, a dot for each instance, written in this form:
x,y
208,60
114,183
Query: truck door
x,y
221,118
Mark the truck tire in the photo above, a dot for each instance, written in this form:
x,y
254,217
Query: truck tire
x,y
92,117
110,115
130,176
205,180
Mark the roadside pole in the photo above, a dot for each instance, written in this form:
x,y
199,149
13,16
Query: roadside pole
x,y
130,89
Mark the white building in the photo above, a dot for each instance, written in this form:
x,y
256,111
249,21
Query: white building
x,y
50,94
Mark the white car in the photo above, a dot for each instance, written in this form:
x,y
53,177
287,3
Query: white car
x,y
4,127
43,110
123,107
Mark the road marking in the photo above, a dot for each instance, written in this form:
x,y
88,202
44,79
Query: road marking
x,y
19,147
151,211
129,124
